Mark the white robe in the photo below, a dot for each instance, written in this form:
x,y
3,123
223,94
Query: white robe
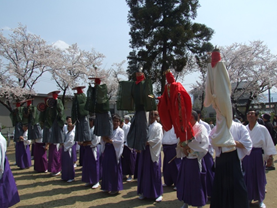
x,y
261,139
126,129
169,137
40,140
217,93
239,133
94,142
3,149
155,135
25,139
69,142
118,142
207,126
199,146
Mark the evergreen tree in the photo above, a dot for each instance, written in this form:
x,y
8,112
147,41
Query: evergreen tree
x,y
163,35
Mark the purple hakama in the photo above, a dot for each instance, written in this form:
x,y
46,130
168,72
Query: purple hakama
x,y
191,183
32,149
128,161
23,155
81,154
149,176
136,165
54,159
170,170
209,162
74,152
100,162
111,170
40,158
91,167
68,171
255,178
8,190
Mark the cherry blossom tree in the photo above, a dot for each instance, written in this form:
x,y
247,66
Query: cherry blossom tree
x,y
113,76
25,57
73,66
201,63
252,70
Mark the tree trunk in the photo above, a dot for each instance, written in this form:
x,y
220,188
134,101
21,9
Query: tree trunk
x,y
249,101
8,106
63,96
162,81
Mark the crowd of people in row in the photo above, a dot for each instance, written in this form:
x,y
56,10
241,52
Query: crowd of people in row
x,y
191,170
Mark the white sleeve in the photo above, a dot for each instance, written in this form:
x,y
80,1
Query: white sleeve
x,y
155,142
95,141
268,146
3,148
201,142
245,139
25,138
69,143
118,143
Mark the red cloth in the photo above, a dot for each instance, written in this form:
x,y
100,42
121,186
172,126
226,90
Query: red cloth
x,y
170,78
139,78
79,90
215,58
175,109
97,81
55,95
17,105
29,102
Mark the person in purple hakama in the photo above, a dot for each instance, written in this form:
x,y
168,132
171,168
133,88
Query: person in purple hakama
x,y
40,156
54,159
136,165
171,164
8,190
68,172
208,158
254,164
209,163
74,154
74,147
128,159
112,149
91,163
81,153
23,154
54,120
191,182
149,167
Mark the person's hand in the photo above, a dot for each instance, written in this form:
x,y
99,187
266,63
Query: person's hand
x,y
107,140
186,150
239,145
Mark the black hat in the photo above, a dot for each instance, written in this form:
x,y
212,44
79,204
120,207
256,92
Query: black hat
x,y
266,116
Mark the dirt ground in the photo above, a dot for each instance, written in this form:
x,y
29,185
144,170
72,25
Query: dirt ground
x,y
42,190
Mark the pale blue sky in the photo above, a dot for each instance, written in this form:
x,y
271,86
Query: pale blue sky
x,y
102,24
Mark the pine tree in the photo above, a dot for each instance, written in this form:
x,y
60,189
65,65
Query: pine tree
x,y
163,35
